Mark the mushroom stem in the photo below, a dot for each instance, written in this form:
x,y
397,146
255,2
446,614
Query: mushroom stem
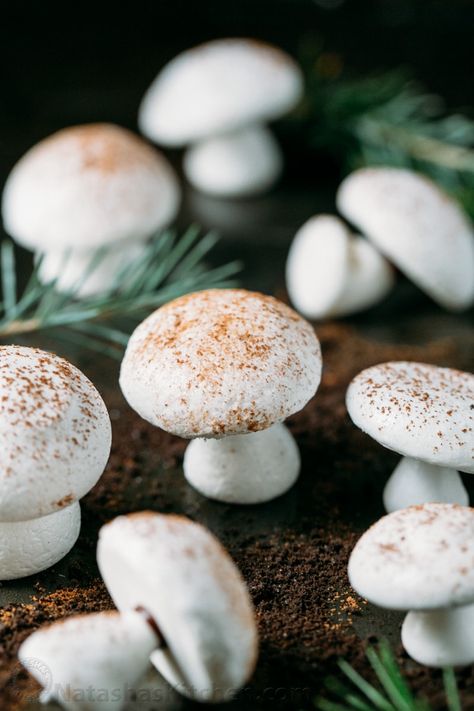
x,y
244,469
369,279
235,164
416,482
440,638
28,547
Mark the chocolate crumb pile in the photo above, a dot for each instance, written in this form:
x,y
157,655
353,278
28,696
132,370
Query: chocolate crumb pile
x,y
293,551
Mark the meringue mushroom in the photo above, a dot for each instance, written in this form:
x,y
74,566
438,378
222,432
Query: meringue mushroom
x,y
180,576
417,226
55,438
425,413
90,661
421,559
218,96
330,273
226,363
84,188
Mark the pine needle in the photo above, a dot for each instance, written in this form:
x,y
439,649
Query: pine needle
x,y
168,267
384,119
392,694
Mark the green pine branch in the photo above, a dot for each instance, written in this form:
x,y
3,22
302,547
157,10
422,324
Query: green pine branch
x,y
391,693
385,119
168,267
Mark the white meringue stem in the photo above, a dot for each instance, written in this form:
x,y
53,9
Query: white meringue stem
x,y
244,469
28,547
416,482
369,279
440,638
237,164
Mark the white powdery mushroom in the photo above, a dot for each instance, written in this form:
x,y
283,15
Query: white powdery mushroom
x,y
55,438
417,226
421,559
220,363
331,273
179,574
84,188
90,661
425,413
218,96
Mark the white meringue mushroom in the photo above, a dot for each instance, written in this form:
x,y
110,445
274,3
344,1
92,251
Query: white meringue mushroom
x,y
417,226
213,92
421,559
331,273
425,413
235,165
181,576
55,438
87,187
90,662
218,363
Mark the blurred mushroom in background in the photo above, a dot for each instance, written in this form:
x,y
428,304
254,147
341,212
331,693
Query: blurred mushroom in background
x,y
218,97
86,188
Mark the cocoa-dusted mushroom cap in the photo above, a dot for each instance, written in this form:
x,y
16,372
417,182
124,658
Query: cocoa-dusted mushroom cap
x,y
88,186
55,433
221,362
419,558
178,573
218,87
417,226
90,661
418,410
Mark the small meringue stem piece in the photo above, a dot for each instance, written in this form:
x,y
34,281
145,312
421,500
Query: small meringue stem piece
x,y
27,547
416,482
235,164
244,469
440,638
369,279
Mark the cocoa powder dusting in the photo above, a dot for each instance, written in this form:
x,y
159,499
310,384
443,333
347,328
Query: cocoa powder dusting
x,y
293,552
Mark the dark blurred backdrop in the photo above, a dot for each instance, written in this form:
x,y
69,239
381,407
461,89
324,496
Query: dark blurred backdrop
x,y
81,62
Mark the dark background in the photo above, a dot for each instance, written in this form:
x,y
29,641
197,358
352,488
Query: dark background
x,y
75,63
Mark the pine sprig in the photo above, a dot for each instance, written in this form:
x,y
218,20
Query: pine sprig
x,y
392,693
168,267
386,119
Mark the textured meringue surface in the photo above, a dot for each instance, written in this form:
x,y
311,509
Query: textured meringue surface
x,y
28,547
182,576
90,661
88,186
419,558
219,362
218,87
419,410
55,433
417,226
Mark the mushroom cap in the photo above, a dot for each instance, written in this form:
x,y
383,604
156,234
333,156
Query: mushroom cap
x,y
419,558
88,186
179,573
218,87
417,226
55,433
28,547
234,165
220,362
244,469
418,410
100,655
